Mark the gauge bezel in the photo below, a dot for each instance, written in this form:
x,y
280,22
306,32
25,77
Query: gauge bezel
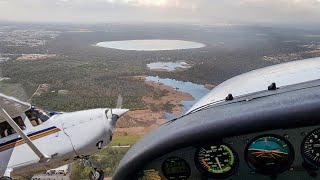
x,y
205,173
274,171
304,157
180,158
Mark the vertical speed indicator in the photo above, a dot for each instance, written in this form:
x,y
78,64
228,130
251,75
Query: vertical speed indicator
x,y
310,148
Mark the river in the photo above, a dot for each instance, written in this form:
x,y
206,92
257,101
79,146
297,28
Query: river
x,y
195,90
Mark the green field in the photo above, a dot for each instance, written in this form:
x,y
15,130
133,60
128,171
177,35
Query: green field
x,y
124,140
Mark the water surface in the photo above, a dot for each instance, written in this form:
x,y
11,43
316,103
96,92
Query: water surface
x,y
150,45
197,91
168,66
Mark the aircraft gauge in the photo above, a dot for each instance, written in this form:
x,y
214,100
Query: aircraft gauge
x,y
269,154
176,168
310,148
217,161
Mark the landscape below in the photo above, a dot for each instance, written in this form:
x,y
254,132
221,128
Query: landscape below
x,y
59,69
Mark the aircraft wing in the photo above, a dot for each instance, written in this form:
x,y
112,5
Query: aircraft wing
x,y
13,106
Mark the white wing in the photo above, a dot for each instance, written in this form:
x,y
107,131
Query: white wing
x,y
13,106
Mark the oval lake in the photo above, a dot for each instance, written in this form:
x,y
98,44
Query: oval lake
x,y
150,45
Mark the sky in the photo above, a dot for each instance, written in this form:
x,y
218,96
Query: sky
x,y
165,11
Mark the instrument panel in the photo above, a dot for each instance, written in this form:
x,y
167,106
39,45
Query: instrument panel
x,y
277,154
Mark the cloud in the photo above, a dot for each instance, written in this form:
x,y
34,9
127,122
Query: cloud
x,y
280,10
154,3
191,11
3,2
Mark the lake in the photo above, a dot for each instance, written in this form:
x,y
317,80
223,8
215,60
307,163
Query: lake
x,y
197,91
168,66
150,45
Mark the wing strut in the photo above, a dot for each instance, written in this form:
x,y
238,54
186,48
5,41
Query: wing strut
x,y
13,124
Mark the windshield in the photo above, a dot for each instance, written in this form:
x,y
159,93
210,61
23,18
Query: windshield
x,y
161,56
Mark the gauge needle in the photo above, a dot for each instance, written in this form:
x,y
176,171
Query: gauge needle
x,y
218,163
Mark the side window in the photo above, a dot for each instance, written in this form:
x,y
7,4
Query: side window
x,y
4,126
36,116
20,122
33,117
7,130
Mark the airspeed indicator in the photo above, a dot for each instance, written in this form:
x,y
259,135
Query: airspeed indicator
x,y
216,161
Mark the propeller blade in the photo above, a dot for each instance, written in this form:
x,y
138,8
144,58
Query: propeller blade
x,y
119,102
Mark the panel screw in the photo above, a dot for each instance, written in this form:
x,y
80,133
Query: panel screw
x,y
303,134
286,136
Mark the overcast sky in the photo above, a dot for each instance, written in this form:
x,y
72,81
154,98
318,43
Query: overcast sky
x,y
181,11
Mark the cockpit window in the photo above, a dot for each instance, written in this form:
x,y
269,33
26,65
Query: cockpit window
x,y
37,116
7,130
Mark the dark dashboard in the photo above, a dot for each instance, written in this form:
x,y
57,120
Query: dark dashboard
x,y
283,154
266,135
